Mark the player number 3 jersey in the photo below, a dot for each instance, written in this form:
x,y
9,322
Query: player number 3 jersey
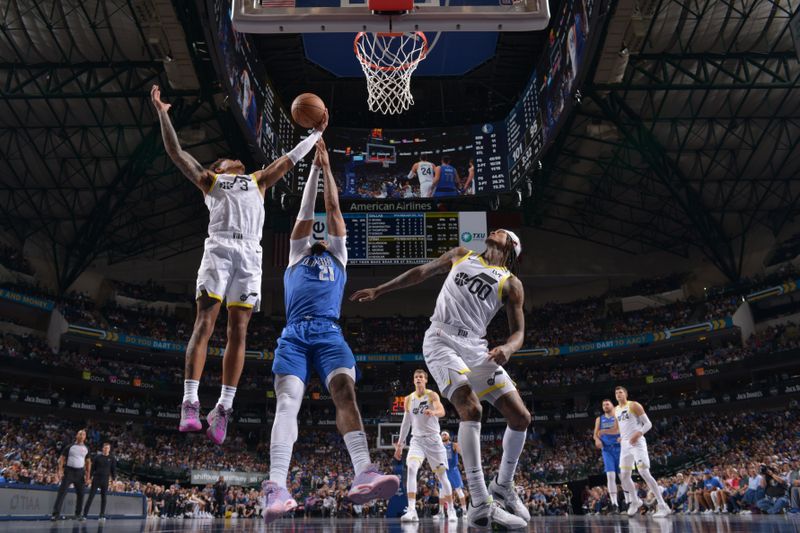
x,y
471,295
235,206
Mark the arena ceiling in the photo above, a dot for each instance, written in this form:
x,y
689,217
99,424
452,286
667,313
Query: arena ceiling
x,y
81,154
693,145
484,94
687,139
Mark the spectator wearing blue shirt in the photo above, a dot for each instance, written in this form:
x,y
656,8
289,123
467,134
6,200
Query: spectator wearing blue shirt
x,y
714,490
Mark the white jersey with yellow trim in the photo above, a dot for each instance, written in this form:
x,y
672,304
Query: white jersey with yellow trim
x,y
471,295
235,206
422,425
628,422
425,170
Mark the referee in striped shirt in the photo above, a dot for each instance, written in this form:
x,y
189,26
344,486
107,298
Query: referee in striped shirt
x,y
76,472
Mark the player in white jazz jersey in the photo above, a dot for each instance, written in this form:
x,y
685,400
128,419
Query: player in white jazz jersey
x,y
231,264
633,424
423,170
467,371
421,417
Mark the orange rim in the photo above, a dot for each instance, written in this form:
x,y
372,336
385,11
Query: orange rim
x,y
404,66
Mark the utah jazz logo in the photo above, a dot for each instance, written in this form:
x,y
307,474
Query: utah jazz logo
x,y
492,379
623,415
420,408
244,297
480,285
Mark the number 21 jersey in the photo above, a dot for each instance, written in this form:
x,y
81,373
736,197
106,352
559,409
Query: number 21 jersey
x,y
314,284
471,295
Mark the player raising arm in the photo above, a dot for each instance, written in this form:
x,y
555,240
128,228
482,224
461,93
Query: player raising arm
x,y
466,371
231,264
314,285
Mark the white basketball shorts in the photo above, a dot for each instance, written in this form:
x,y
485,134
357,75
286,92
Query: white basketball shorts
x,y
231,270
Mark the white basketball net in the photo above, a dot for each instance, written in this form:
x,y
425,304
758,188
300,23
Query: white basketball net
x,y
388,61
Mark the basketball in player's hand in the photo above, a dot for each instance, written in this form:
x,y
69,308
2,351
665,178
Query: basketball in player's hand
x,y
308,110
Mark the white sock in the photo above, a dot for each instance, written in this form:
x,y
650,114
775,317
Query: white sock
x,y
356,442
226,397
190,387
469,437
513,442
289,392
412,504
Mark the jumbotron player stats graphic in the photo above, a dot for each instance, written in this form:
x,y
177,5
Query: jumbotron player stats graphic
x,y
423,163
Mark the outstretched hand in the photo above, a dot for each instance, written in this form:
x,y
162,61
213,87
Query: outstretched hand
x,y
155,96
323,123
364,295
321,158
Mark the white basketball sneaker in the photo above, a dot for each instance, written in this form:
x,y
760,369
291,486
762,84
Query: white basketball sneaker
x,y
507,498
410,516
489,514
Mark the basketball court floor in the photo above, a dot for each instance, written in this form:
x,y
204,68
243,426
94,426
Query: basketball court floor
x,y
559,524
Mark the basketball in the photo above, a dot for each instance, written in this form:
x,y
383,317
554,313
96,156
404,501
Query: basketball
x,y
308,110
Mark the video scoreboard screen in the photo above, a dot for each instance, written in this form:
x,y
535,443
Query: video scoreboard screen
x,y
406,238
398,405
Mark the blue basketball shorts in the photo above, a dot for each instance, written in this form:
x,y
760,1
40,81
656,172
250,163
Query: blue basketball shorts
x,y
611,458
316,342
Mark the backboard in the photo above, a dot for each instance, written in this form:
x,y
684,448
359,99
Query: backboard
x,y
349,16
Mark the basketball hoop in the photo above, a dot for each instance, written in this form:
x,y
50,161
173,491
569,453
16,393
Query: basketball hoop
x,y
388,61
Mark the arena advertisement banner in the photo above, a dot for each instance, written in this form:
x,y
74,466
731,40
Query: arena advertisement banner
x,y
155,344
636,340
204,477
25,299
31,502
778,290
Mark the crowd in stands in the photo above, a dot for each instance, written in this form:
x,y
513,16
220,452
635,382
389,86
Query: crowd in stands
x,y
654,285
776,338
148,291
13,259
551,324
731,447
169,372
748,463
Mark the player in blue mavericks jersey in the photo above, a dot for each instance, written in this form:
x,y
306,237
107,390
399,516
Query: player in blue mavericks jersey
x,y
313,287
446,181
606,438
453,473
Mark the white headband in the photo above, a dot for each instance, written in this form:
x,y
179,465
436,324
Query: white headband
x,y
514,240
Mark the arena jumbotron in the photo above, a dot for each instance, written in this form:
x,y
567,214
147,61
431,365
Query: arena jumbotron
x,y
400,265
